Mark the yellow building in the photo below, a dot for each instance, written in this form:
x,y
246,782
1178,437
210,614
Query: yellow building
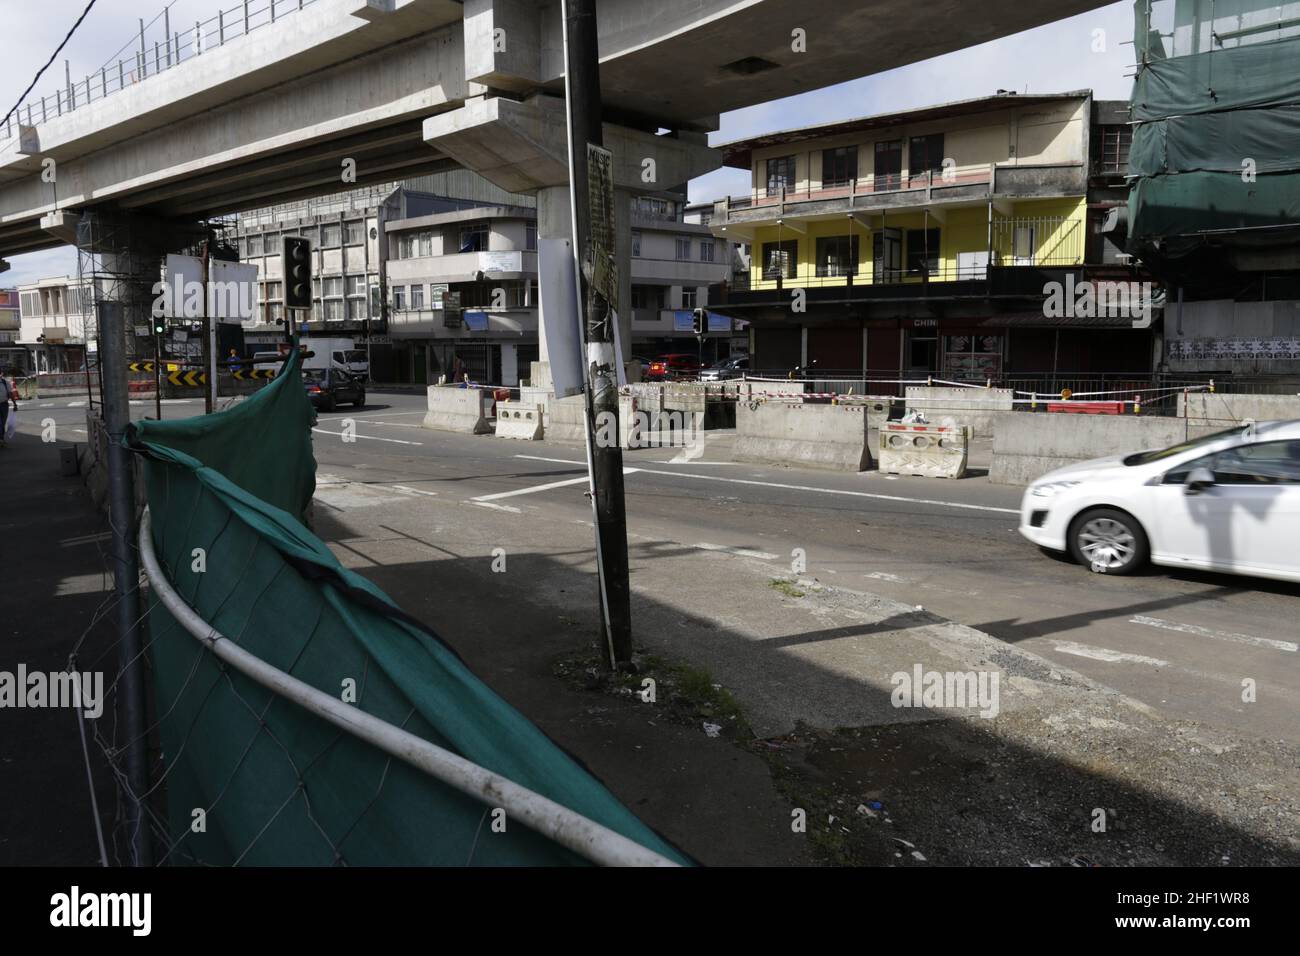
x,y
919,243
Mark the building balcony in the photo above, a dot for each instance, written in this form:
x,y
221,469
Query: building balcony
x,y
464,267
468,322
875,195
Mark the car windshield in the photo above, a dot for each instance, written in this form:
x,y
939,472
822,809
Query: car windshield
x,y
314,376
354,355
1146,457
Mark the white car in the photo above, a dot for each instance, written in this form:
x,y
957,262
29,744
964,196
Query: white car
x,y
1229,501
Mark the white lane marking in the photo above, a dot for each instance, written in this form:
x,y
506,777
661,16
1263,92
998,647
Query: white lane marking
x,y
739,552
395,441
835,491
76,404
546,487
496,507
885,576
413,491
824,491
1290,646
554,461
1105,654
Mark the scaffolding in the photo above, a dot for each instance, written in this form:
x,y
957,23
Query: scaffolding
x,y
120,259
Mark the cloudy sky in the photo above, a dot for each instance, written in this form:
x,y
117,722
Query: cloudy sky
x,y
1061,56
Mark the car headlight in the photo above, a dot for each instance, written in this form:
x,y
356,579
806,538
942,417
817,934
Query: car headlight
x,y
1052,488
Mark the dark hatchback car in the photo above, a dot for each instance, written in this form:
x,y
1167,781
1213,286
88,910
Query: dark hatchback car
x,y
329,387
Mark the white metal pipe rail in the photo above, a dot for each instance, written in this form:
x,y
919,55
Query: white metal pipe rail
x,y
583,836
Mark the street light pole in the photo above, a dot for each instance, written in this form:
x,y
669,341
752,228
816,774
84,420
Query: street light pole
x,y
582,97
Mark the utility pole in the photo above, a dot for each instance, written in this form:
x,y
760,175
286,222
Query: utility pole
x,y
126,572
210,335
593,261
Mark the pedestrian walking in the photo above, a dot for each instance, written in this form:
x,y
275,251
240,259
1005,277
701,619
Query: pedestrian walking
x,y
8,397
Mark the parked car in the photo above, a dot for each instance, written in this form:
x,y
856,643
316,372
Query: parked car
x,y
677,365
727,368
328,387
1229,501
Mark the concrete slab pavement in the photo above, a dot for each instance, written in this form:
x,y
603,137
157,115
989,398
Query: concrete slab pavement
x,y
54,589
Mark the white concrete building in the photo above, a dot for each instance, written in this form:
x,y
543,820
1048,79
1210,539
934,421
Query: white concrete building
x,y
444,270
54,317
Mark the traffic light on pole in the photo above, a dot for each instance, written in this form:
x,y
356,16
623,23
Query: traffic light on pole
x,y
297,272
701,322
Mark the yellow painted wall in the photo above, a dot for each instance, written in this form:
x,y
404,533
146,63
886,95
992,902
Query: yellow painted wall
x,y
1050,133
1059,237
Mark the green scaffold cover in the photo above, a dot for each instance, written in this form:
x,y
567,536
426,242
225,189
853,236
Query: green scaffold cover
x,y
279,786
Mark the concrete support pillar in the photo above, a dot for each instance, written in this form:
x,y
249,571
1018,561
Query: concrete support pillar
x,y
554,221
623,257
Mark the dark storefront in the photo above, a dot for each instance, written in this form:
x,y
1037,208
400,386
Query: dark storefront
x,y
994,348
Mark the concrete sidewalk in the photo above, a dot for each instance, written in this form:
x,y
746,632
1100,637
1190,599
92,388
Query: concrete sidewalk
x,y
813,668
53,583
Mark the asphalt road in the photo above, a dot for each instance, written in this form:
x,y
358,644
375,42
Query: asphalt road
x,y
1179,641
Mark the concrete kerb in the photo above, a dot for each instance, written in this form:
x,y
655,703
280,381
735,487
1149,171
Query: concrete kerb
x,y
810,436
455,409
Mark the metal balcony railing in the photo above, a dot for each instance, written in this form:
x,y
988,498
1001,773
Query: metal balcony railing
x,y
862,186
158,48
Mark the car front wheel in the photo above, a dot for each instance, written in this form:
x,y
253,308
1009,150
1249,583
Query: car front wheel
x,y
1108,541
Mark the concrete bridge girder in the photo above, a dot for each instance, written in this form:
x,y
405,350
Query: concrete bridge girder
x,y
523,147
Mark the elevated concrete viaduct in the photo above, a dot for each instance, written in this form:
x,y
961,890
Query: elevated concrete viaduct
x,y
271,115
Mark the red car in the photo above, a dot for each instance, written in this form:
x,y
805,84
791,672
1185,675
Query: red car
x,y
678,365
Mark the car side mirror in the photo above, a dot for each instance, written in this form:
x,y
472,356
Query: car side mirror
x,y
1198,479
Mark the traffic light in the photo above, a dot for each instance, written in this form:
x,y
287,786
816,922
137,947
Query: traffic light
x,y
701,322
297,272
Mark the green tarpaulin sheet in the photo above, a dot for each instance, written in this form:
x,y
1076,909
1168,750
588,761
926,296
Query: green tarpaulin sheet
x,y
1221,142
1251,76
276,785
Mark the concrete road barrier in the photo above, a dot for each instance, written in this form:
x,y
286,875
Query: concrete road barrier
x,y
566,419
750,391
807,436
929,451
453,409
1226,409
969,406
1027,446
879,409
518,421
685,398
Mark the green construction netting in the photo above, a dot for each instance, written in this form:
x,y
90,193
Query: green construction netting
x,y
1270,139
1252,76
1199,202
278,785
